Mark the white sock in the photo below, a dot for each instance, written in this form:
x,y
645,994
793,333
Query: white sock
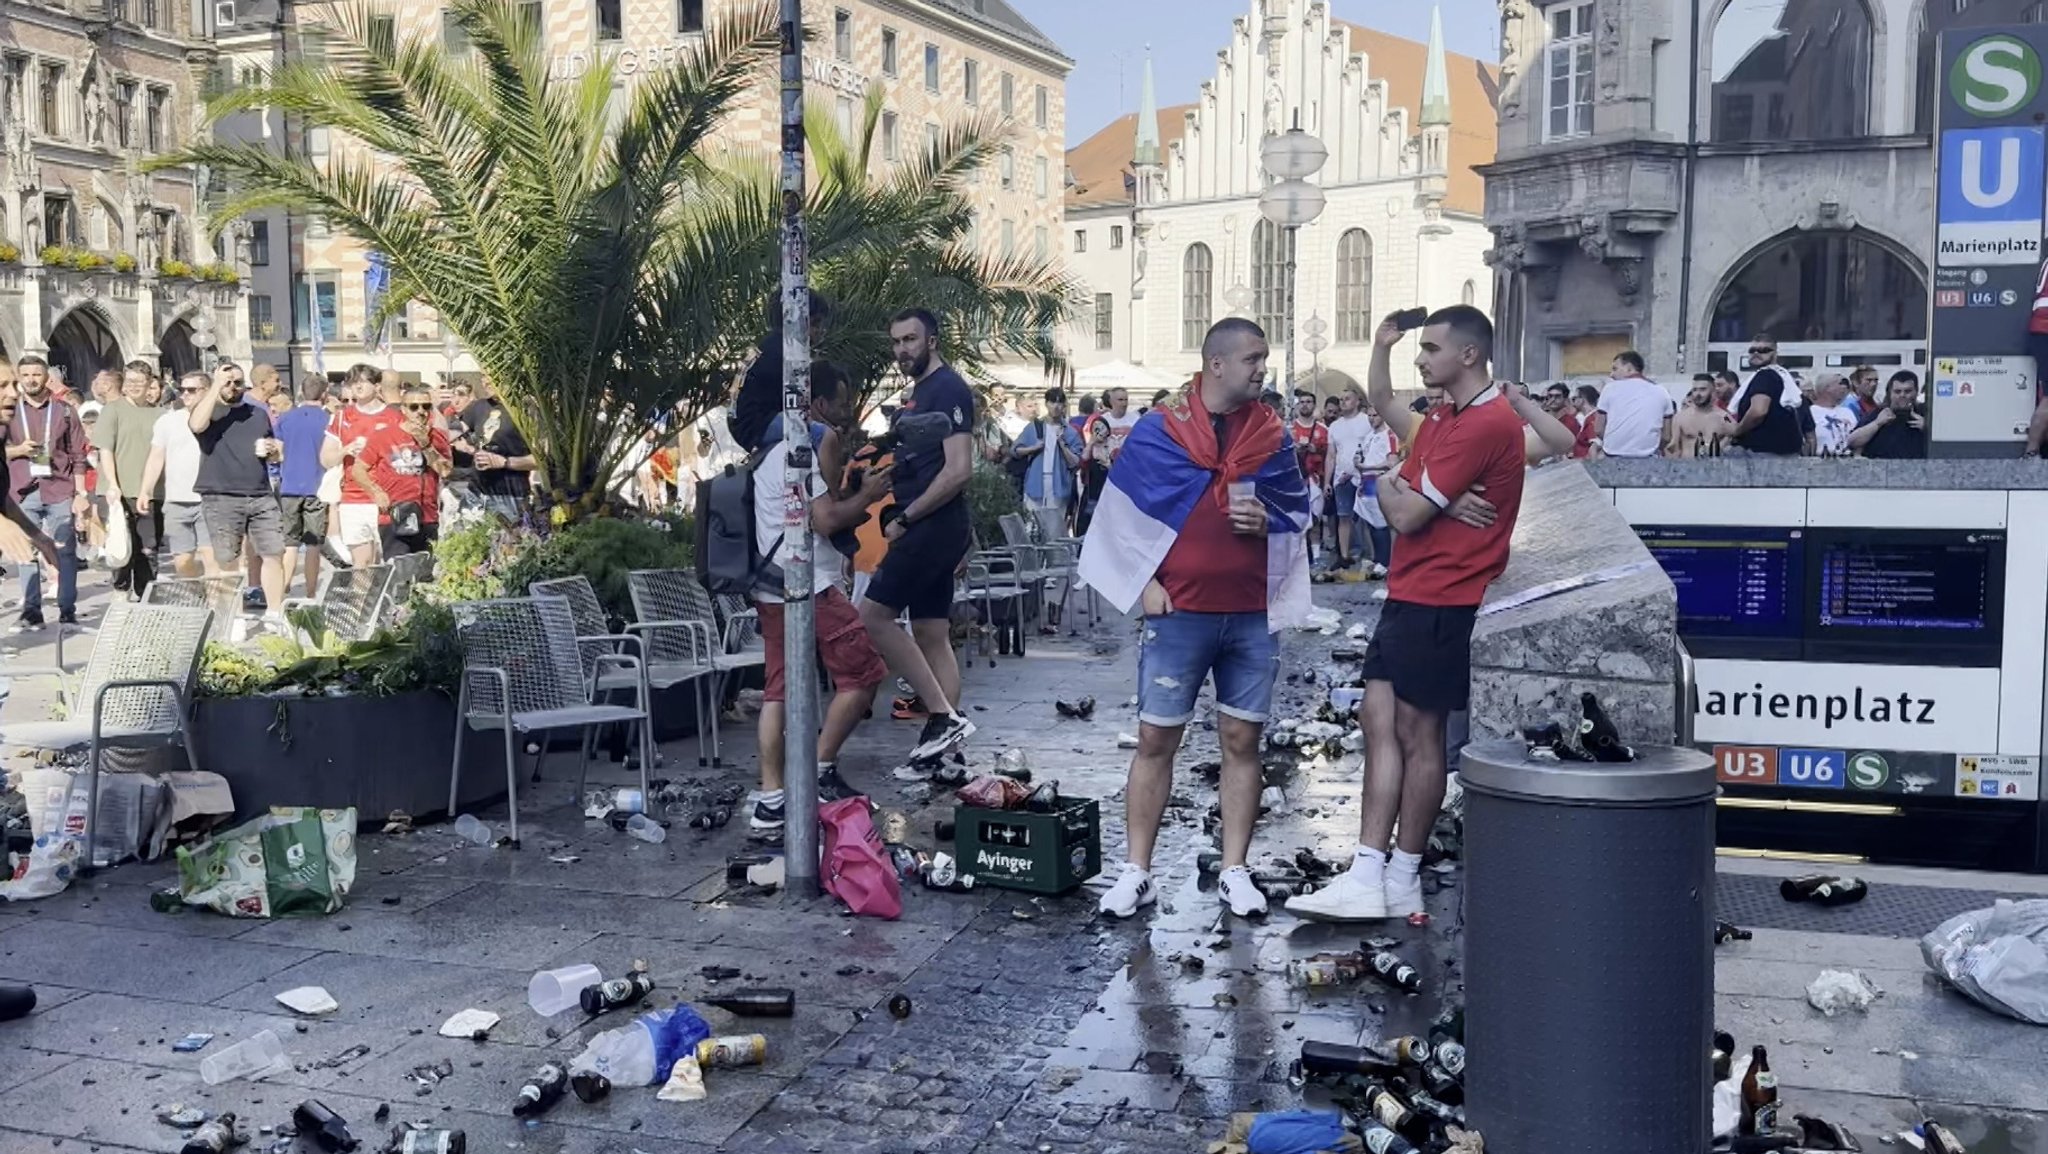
x,y
1369,865
1131,867
825,767
771,797
1404,866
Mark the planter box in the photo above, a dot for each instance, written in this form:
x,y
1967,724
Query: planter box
x,y
377,754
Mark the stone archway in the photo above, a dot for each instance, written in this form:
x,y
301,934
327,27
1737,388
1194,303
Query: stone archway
x,y
83,343
1822,285
176,354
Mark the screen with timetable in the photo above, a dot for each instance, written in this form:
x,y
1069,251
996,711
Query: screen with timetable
x,y
1741,590
1925,595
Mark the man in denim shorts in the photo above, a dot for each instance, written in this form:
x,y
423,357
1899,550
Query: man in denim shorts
x,y
1205,606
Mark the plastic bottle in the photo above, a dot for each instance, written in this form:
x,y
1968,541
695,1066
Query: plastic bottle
x,y
646,829
624,1057
469,829
259,1054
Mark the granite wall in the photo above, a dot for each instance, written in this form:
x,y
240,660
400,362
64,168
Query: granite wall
x,y
1539,643
1820,473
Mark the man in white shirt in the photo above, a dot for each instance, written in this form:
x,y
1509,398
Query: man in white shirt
x,y
174,457
1833,418
1344,471
1121,420
1634,417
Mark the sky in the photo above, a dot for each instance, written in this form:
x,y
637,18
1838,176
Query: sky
x,y
1107,40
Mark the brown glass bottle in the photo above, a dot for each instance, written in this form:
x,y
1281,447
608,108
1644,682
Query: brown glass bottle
x,y
1759,1096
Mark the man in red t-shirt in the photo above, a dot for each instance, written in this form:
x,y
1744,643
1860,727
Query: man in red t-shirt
x,y
1454,502
1311,450
401,467
1205,615
363,418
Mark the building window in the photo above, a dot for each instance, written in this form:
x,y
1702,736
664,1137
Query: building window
x,y
1786,71
156,137
124,113
1270,250
689,15
454,38
52,117
316,226
261,326
611,22
259,243
1569,67
1041,243
1042,177
58,225
383,32
889,136
842,114
970,81
931,139
317,296
1469,295
13,89
888,52
401,323
153,11
1009,234
931,68
1007,166
1080,240
1043,111
1116,236
1009,93
1105,321
1197,282
1354,288
842,34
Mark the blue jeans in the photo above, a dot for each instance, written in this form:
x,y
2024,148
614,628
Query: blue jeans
x,y
54,519
1382,541
1177,651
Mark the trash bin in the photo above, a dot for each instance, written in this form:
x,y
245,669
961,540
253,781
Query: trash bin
x,y
1589,968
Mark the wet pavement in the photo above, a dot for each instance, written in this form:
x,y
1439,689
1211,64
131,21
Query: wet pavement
x,y
1036,1026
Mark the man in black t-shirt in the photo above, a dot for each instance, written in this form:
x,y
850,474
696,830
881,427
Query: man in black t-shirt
x,y
499,453
929,531
1763,425
1898,431
236,446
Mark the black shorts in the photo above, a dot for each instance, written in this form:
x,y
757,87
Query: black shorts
x,y
917,572
1425,651
397,546
305,520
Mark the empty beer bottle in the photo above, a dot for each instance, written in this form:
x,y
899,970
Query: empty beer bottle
x,y
215,1137
1597,735
1759,1096
1449,1056
1044,799
1939,1140
1335,1059
1550,740
1723,1054
590,1086
605,997
1441,1084
1410,1049
1801,888
324,1126
1420,1101
1380,1140
1387,966
1386,1107
760,1002
1450,1022
434,1142
541,1091
1725,932
1326,970
1823,890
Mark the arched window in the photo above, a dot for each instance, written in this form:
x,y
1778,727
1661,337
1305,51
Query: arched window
x,y
1791,70
1470,294
1354,287
1197,278
1823,287
1931,18
1269,280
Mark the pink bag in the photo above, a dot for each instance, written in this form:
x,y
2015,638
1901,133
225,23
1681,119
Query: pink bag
x,y
856,869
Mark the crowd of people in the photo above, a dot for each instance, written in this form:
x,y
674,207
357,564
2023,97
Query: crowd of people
x,y
229,472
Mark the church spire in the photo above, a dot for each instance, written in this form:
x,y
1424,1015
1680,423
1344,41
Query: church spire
x,y
1436,76
1147,152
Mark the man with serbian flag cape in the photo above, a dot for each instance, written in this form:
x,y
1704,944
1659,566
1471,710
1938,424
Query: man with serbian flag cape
x,y
1203,523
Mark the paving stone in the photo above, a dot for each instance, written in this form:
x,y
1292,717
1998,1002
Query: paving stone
x,y
136,962
396,994
474,933
23,1063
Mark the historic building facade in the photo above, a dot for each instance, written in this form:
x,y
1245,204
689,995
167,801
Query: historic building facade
x,y
1163,221
100,261
931,61
1677,175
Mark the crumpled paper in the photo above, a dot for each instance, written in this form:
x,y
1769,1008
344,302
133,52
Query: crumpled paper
x,y
1839,991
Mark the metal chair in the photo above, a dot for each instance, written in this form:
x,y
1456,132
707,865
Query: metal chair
x,y
406,572
682,626
594,639
523,673
1065,558
137,684
220,594
353,599
993,578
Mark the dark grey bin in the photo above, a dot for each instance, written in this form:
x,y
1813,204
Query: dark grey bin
x,y
1589,963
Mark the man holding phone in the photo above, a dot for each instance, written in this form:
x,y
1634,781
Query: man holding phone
x,y
236,446
1899,430
46,448
401,468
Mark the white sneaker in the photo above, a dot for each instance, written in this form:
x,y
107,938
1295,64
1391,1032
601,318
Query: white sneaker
x,y
1133,888
1404,895
1241,894
1345,899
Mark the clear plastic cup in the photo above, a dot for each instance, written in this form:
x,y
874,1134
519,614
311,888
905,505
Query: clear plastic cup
x,y
646,829
630,800
552,991
469,829
249,1057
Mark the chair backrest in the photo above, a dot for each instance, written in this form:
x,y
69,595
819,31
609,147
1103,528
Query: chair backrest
x,y
533,639
353,598
587,611
1052,524
1015,531
671,595
138,641
408,571
738,625
221,594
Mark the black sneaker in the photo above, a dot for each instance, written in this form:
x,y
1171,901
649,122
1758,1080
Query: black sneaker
x,y
67,618
764,816
29,623
254,599
941,731
831,786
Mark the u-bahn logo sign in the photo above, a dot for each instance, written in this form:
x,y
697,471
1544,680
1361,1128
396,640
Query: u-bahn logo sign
x,y
1995,76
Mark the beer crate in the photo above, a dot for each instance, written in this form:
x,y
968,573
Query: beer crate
x,y
1043,853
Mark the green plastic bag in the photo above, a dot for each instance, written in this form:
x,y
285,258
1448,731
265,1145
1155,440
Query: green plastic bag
x,y
293,861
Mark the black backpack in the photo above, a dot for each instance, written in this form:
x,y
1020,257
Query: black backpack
x,y
729,558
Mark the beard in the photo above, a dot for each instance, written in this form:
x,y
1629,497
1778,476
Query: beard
x,y
914,369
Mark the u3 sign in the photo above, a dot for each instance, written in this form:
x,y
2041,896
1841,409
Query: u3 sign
x,y
1791,768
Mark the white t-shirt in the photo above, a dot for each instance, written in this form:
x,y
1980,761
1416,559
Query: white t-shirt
x,y
827,564
1636,409
1348,437
1119,428
173,435
1832,425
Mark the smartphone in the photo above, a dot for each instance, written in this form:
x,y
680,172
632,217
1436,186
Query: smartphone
x,y
1413,318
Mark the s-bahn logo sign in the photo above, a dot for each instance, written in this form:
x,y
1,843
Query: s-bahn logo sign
x,y
1996,76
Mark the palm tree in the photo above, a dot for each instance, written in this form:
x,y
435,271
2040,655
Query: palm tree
x,y
594,262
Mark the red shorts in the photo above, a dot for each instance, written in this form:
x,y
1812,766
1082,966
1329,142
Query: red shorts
x,y
850,656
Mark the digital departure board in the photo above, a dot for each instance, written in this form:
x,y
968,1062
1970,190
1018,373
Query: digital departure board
x,y
1741,591
1936,596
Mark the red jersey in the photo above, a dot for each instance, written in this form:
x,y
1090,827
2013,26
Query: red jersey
x,y
399,466
350,426
1311,447
1447,562
1211,569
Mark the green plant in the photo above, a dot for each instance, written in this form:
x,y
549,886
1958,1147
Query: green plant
x,y
175,269
53,254
9,254
85,261
124,263
218,274
990,495
603,550
418,653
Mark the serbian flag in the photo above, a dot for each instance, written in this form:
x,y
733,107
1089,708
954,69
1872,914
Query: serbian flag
x,y
1169,462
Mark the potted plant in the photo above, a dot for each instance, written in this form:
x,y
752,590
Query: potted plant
x,y
9,254
85,261
53,254
175,269
124,263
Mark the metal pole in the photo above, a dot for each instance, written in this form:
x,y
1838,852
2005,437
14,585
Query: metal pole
x,y
799,623
1288,318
